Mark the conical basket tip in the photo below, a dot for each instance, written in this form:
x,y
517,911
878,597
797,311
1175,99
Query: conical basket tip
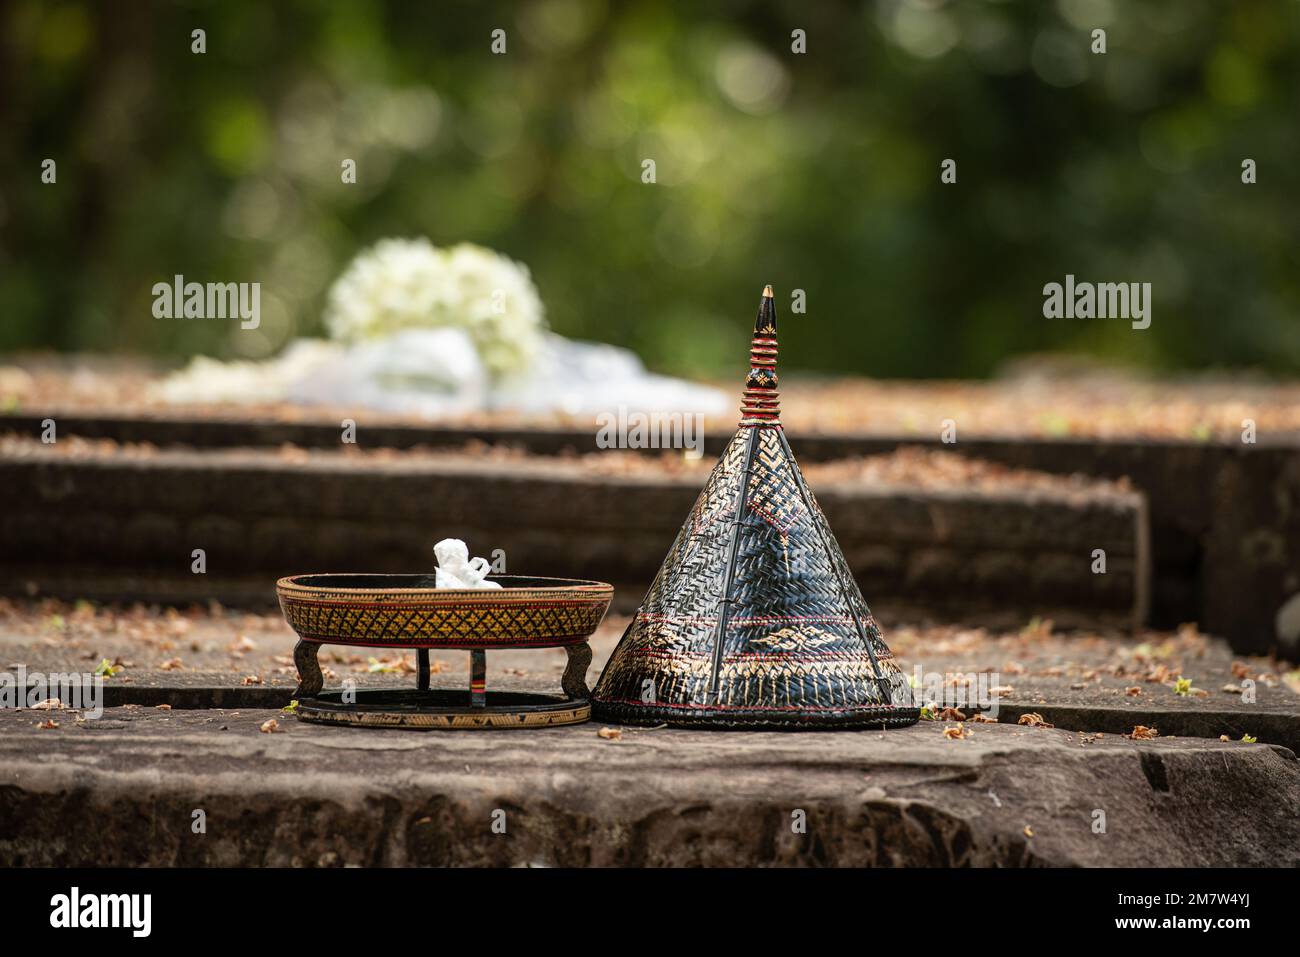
x,y
765,321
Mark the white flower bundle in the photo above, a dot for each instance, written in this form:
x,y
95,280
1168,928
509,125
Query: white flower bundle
x,y
402,284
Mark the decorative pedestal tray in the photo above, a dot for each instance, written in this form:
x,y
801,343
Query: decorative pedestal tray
x,y
407,611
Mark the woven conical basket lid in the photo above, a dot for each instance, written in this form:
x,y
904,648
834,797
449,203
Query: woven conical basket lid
x,y
754,619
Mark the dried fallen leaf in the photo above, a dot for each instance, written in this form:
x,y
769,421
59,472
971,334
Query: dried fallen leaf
x,y
1034,720
1133,692
1029,831
48,723
1232,689
171,664
269,726
163,707
1142,732
952,714
1224,737
981,719
241,645
252,680
1001,691
49,704
610,734
956,732
1239,670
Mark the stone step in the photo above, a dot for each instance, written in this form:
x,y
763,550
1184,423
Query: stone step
x,y
94,522
1086,682
1225,547
1007,794
1088,713
312,795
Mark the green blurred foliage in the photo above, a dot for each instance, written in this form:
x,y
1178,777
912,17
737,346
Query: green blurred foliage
x,y
817,171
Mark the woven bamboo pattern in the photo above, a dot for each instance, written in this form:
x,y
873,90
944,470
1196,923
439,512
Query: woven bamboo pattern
x,y
526,613
754,619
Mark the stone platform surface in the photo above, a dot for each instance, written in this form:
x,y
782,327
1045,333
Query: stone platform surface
x,y
126,789
1078,680
182,733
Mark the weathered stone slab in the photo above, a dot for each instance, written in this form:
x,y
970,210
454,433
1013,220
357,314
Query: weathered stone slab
x,y
1225,529
1079,682
124,791
1013,552
1087,714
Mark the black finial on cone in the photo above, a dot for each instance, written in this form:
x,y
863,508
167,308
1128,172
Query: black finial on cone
x,y
765,323
761,405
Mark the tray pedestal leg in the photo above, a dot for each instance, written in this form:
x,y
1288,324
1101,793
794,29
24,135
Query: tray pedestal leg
x,y
310,679
574,681
422,669
478,678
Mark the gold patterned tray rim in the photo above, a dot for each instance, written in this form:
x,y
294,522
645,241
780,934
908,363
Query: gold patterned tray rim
x,y
293,587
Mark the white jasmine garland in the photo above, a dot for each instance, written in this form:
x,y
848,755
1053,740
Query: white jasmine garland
x,y
410,283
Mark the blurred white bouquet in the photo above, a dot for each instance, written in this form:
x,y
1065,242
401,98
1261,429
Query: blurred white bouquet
x,y
434,332
401,284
